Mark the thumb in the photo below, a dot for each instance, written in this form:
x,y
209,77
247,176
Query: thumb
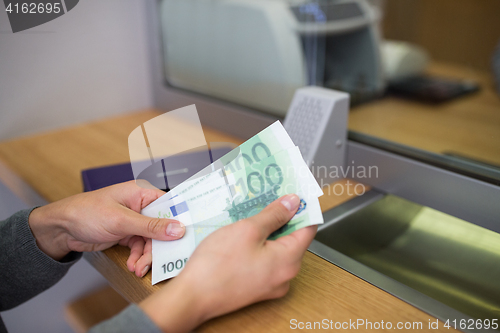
x,y
150,227
276,215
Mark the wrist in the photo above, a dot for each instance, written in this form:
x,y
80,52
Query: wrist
x,y
49,233
175,308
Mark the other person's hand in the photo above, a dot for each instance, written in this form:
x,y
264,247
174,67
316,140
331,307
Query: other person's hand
x,y
97,220
233,267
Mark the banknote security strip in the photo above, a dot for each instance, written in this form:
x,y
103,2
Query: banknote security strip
x,y
237,186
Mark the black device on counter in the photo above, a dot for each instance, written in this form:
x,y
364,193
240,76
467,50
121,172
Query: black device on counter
x,y
431,89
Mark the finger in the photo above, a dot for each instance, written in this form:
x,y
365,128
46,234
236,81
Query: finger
x,y
143,183
277,214
136,245
124,241
298,241
150,195
92,247
144,263
132,223
134,196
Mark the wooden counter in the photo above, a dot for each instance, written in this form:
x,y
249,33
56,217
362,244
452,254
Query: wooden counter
x,y
51,163
468,125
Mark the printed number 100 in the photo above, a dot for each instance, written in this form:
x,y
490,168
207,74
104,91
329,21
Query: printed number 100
x,y
178,264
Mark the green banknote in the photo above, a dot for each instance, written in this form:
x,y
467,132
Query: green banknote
x,y
266,143
283,173
242,193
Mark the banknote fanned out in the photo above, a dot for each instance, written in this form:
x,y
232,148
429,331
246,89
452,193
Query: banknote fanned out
x,y
237,186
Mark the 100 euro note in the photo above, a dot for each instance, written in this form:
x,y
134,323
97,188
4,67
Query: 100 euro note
x,y
266,143
224,200
285,172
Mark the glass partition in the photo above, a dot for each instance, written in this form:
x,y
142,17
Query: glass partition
x,y
421,73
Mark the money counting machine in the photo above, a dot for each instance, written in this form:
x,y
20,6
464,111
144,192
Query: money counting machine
x,y
258,52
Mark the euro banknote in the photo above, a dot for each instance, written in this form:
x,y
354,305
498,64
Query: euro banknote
x,y
238,186
170,257
282,173
267,142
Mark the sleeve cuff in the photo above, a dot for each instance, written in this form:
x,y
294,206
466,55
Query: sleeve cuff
x,y
40,260
24,266
132,320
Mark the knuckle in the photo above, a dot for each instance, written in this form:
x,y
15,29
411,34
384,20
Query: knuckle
x,y
288,273
292,272
279,216
154,226
134,240
282,290
285,289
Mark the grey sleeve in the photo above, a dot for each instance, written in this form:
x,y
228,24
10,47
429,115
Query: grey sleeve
x,y
26,270
132,320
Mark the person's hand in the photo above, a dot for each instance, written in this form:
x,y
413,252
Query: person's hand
x,y
140,258
233,267
97,220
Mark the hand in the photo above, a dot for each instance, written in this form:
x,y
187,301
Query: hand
x,y
97,220
233,267
140,258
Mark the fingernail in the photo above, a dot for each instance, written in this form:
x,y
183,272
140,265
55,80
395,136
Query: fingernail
x,y
291,202
145,270
175,229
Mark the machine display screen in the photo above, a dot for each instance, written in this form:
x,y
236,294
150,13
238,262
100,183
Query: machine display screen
x,y
314,12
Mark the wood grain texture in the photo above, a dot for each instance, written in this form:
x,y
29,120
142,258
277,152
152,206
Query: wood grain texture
x,y
469,125
52,163
463,32
316,294
340,192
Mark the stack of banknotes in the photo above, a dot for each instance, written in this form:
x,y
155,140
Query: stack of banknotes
x,y
237,186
